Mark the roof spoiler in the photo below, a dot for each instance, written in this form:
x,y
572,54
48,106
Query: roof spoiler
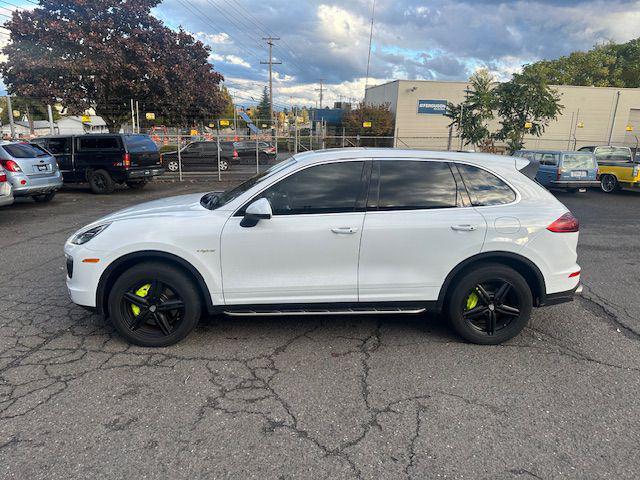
x,y
527,167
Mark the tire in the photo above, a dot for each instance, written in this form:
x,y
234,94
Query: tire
x,y
101,182
224,165
45,197
474,301
149,287
137,185
173,166
609,184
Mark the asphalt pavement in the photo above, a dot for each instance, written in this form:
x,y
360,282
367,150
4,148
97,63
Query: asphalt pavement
x,y
316,397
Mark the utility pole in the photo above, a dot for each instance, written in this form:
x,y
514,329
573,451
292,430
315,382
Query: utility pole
x,y
10,112
271,63
50,114
320,90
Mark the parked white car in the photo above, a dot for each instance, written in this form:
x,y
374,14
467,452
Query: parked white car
x,y
337,232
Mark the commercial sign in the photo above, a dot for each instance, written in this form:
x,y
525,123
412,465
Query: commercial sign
x,y
432,107
224,123
366,124
150,116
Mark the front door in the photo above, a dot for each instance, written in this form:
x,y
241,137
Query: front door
x,y
308,251
419,225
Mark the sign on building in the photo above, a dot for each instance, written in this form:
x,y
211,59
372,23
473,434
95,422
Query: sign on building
x,y
432,107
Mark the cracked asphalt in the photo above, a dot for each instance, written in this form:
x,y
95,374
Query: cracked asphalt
x,y
327,397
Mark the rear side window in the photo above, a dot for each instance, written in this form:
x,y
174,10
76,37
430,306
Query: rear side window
x,y
577,161
484,187
548,159
140,143
25,150
59,146
99,143
416,185
329,188
613,154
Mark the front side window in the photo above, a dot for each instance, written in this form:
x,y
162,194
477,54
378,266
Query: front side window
x,y
416,185
328,188
484,187
59,146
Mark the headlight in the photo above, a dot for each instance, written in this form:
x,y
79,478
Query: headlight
x,y
84,237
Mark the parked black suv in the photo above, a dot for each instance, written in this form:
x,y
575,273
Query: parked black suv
x,y
105,159
202,156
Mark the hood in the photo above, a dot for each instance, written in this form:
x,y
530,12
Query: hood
x,y
165,207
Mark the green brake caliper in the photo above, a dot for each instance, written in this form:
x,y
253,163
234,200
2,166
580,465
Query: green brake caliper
x,y
143,291
472,301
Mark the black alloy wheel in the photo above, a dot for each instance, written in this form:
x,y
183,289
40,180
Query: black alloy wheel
x,y
154,304
490,304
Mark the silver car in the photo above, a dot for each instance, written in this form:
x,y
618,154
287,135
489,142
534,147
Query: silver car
x,y
31,170
6,189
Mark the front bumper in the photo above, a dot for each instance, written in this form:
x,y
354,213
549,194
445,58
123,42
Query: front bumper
x,y
82,277
574,183
35,185
143,173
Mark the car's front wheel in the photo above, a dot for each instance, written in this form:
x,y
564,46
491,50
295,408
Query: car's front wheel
x,y
172,166
101,182
224,165
154,305
490,304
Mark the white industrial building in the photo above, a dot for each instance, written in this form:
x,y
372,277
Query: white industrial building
x,y
591,115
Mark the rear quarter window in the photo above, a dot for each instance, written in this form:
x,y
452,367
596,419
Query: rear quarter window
x,y
484,187
140,143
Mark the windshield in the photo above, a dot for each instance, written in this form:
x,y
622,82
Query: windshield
x,y
214,200
576,161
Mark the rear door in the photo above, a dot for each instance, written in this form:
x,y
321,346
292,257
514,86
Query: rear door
x,y
548,170
62,150
143,152
419,225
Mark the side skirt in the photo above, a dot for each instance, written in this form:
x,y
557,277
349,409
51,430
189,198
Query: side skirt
x,y
330,309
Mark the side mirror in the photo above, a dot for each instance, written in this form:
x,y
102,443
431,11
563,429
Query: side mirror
x,y
258,210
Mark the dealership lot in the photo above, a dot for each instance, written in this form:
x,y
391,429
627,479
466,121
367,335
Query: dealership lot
x,y
338,397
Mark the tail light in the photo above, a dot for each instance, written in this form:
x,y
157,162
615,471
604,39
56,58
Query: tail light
x,y
597,173
3,177
271,150
235,153
126,160
10,166
567,223
560,172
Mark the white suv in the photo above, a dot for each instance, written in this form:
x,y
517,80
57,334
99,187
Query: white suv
x,y
347,231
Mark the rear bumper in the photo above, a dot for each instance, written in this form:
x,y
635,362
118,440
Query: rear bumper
x,y
6,200
142,173
35,185
561,297
574,183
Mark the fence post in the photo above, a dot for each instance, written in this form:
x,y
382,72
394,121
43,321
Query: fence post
x,y
276,137
311,138
343,136
257,156
179,157
295,133
218,148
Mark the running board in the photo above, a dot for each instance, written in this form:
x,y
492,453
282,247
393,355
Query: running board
x,y
313,311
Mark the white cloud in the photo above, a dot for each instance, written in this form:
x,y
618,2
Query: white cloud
x,y
213,38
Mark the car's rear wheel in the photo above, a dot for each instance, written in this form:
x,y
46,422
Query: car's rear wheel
x,y
490,304
45,197
609,184
101,182
137,185
224,165
154,305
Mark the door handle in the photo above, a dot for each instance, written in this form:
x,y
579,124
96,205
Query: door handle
x,y
344,230
464,228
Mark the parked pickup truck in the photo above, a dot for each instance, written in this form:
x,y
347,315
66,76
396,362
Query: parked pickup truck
x,y
618,168
103,160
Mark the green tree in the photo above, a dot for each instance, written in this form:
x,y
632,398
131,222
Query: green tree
x,y
472,116
102,53
380,116
526,98
228,109
262,110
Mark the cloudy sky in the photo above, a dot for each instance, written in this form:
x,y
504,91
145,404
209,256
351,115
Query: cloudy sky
x,y
439,39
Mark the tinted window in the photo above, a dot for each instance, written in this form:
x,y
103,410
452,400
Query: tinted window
x,y
193,148
99,143
484,187
210,147
575,161
140,143
330,188
25,150
59,146
413,185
